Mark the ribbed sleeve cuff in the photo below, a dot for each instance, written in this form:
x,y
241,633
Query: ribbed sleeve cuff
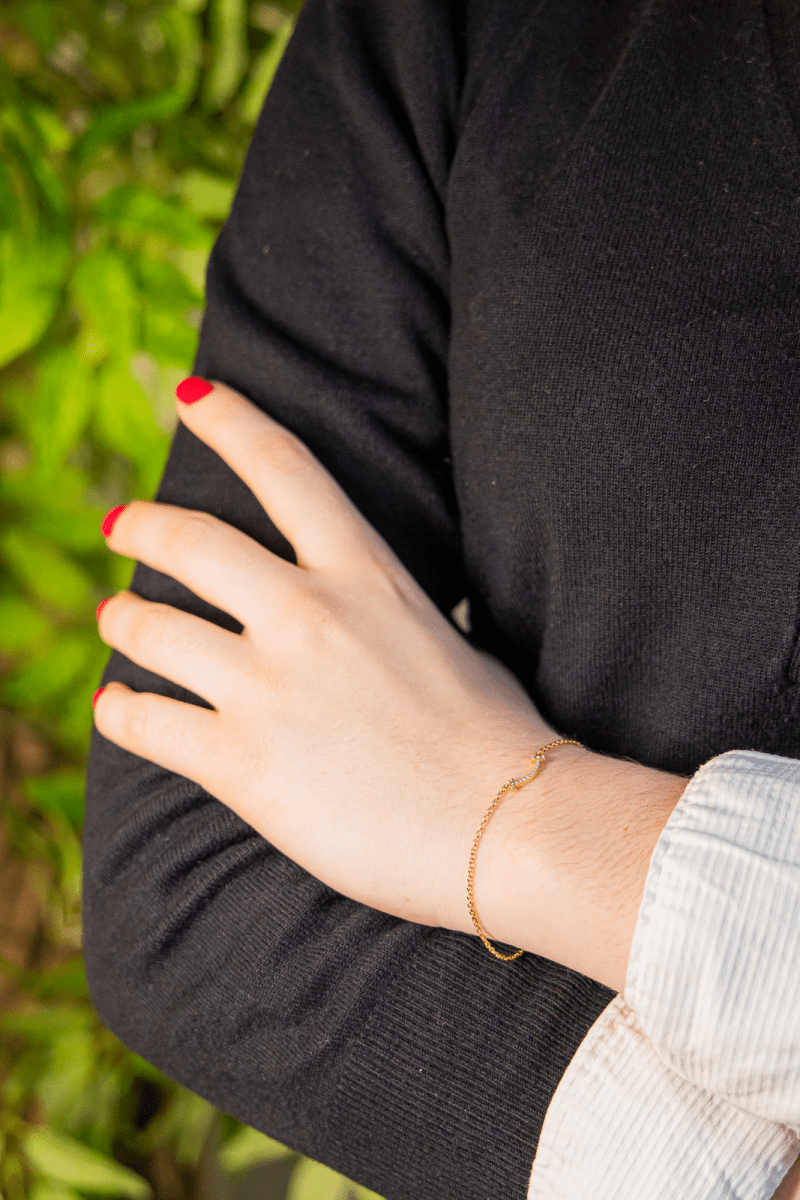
x,y
623,1126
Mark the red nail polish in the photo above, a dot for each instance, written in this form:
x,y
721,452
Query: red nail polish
x,y
193,389
97,696
100,607
110,519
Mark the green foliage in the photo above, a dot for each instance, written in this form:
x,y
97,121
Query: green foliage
x,y
123,126
247,1148
31,276
310,1180
64,1160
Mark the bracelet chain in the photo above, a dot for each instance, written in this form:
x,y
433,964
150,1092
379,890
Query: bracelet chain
x,y
538,760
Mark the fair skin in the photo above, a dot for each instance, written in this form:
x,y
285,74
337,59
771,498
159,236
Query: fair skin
x,y
790,1187
356,729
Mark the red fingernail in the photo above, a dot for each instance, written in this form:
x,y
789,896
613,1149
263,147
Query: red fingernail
x,y
101,606
97,696
111,518
193,389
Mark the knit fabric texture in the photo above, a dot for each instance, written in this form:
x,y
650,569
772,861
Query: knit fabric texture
x,y
524,277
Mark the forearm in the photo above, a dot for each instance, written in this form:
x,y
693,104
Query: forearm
x,y
563,862
341,1031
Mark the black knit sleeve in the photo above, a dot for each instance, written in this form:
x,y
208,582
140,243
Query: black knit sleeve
x,y
403,1056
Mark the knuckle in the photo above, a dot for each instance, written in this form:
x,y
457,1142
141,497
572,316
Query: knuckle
x,y
318,622
185,534
303,608
285,453
381,578
121,715
134,720
147,624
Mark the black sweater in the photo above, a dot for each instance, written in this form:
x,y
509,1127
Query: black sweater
x,y
525,276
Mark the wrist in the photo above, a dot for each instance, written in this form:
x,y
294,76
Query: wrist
x,y
563,862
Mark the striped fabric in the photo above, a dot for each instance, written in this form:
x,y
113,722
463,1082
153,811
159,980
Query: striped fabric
x,y
690,1085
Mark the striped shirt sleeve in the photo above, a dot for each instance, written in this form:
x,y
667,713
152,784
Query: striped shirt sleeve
x,y
689,1086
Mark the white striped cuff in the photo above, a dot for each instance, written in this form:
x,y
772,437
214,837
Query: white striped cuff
x,y
623,1126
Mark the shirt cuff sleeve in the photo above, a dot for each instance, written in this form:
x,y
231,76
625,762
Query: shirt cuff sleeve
x,y
714,971
622,1125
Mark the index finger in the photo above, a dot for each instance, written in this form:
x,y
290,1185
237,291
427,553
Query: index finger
x,y
303,499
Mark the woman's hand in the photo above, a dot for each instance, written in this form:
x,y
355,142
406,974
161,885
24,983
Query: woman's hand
x,y
356,729
351,725
790,1187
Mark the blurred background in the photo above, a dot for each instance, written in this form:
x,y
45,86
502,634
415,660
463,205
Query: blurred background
x,y
123,128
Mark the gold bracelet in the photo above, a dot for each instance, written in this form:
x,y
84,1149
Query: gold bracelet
x,y
538,760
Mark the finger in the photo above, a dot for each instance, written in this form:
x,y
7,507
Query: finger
x,y
298,494
187,650
179,737
215,561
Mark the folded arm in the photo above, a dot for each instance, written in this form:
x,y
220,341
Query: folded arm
x,y
403,1055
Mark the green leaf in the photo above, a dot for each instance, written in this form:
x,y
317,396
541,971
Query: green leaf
x,y
76,1090
263,73
121,570
192,264
31,275
143,212
113,124
23,141
248,1147
51,674
71,525
61,792
25,489
313,1181
45,1189
185,1124
63,1083
9,200
45,571
229,39
69,1161
124,419
67,980
37,17
54,132
107,299
182,32
162,285
169,338
207,195
22,627
71,724
47,1024
61,406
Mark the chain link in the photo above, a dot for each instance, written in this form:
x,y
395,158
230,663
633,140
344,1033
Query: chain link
x,y
538,759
